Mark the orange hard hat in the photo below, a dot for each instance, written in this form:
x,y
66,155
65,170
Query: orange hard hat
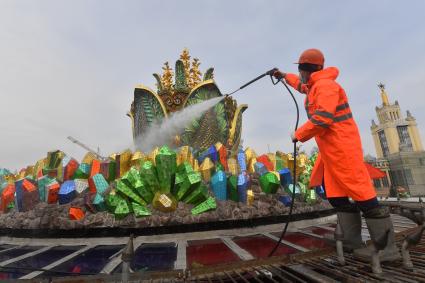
x,y
312,56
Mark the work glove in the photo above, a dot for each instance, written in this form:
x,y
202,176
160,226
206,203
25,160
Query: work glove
x,y
293,138
279,75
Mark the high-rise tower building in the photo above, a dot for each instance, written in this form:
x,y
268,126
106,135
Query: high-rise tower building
x,y
398,141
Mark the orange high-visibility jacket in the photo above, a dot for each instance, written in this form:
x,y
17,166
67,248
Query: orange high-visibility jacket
x,y
331,123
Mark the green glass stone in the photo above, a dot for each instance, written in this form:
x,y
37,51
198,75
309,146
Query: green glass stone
x,y
144,192
304,179
140,210
112,201
128,192
82,171
219,167
197,196
50,172
149,176
122,210
232,188
311,197
182,190
289,189
269,183
134,181
11,205
303,190
194,178
108,169
208,204
185,168
99,202
42,184
166,166
279,163
190,183
53,159
178,181
132,177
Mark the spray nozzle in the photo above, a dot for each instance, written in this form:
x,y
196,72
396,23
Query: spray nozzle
x,y
271,72
268,73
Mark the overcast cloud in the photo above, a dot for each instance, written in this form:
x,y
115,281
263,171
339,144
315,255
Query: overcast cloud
x,y
70,67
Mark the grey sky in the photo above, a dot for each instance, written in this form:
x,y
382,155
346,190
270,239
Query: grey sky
x,y
70,67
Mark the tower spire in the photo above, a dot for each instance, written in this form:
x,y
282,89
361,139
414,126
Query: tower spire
x,y
384,95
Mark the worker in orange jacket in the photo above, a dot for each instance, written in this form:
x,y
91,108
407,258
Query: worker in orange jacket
x,y
340,163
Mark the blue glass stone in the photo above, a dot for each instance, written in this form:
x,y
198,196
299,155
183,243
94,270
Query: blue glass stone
x,y
67,192
219,185
212,153
260,168
242,188
242,160
19,194
286,200
285,177
321,192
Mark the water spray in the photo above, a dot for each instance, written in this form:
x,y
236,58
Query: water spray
x,y
275,82
164,131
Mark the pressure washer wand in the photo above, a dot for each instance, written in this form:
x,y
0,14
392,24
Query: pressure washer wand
x,y
268,73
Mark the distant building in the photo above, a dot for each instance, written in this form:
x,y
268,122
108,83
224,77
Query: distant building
x,y
399,148
382,185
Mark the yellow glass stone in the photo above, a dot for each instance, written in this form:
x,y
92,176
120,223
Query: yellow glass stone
x,y
137,158
10,179
195,165
250,154
206,169
20,175
125,161
185,154
164,202
218,145
250,197
233,166
290,162
39,166
88,158
251,163
152,155
59,175
302,160
29,170
178,159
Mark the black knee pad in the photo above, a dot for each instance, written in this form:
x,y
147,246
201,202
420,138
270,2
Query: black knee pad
x,y
377,212
343,204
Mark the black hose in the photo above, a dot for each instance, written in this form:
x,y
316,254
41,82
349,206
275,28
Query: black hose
x,y
294,181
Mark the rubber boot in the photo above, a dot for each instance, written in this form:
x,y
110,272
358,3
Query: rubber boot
x,y
351,224
378,222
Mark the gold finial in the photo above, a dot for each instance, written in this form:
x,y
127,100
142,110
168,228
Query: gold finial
x,y
167,77
195,73
185,57
384,95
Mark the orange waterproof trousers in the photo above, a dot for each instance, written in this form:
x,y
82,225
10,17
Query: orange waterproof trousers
x,y
331,123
